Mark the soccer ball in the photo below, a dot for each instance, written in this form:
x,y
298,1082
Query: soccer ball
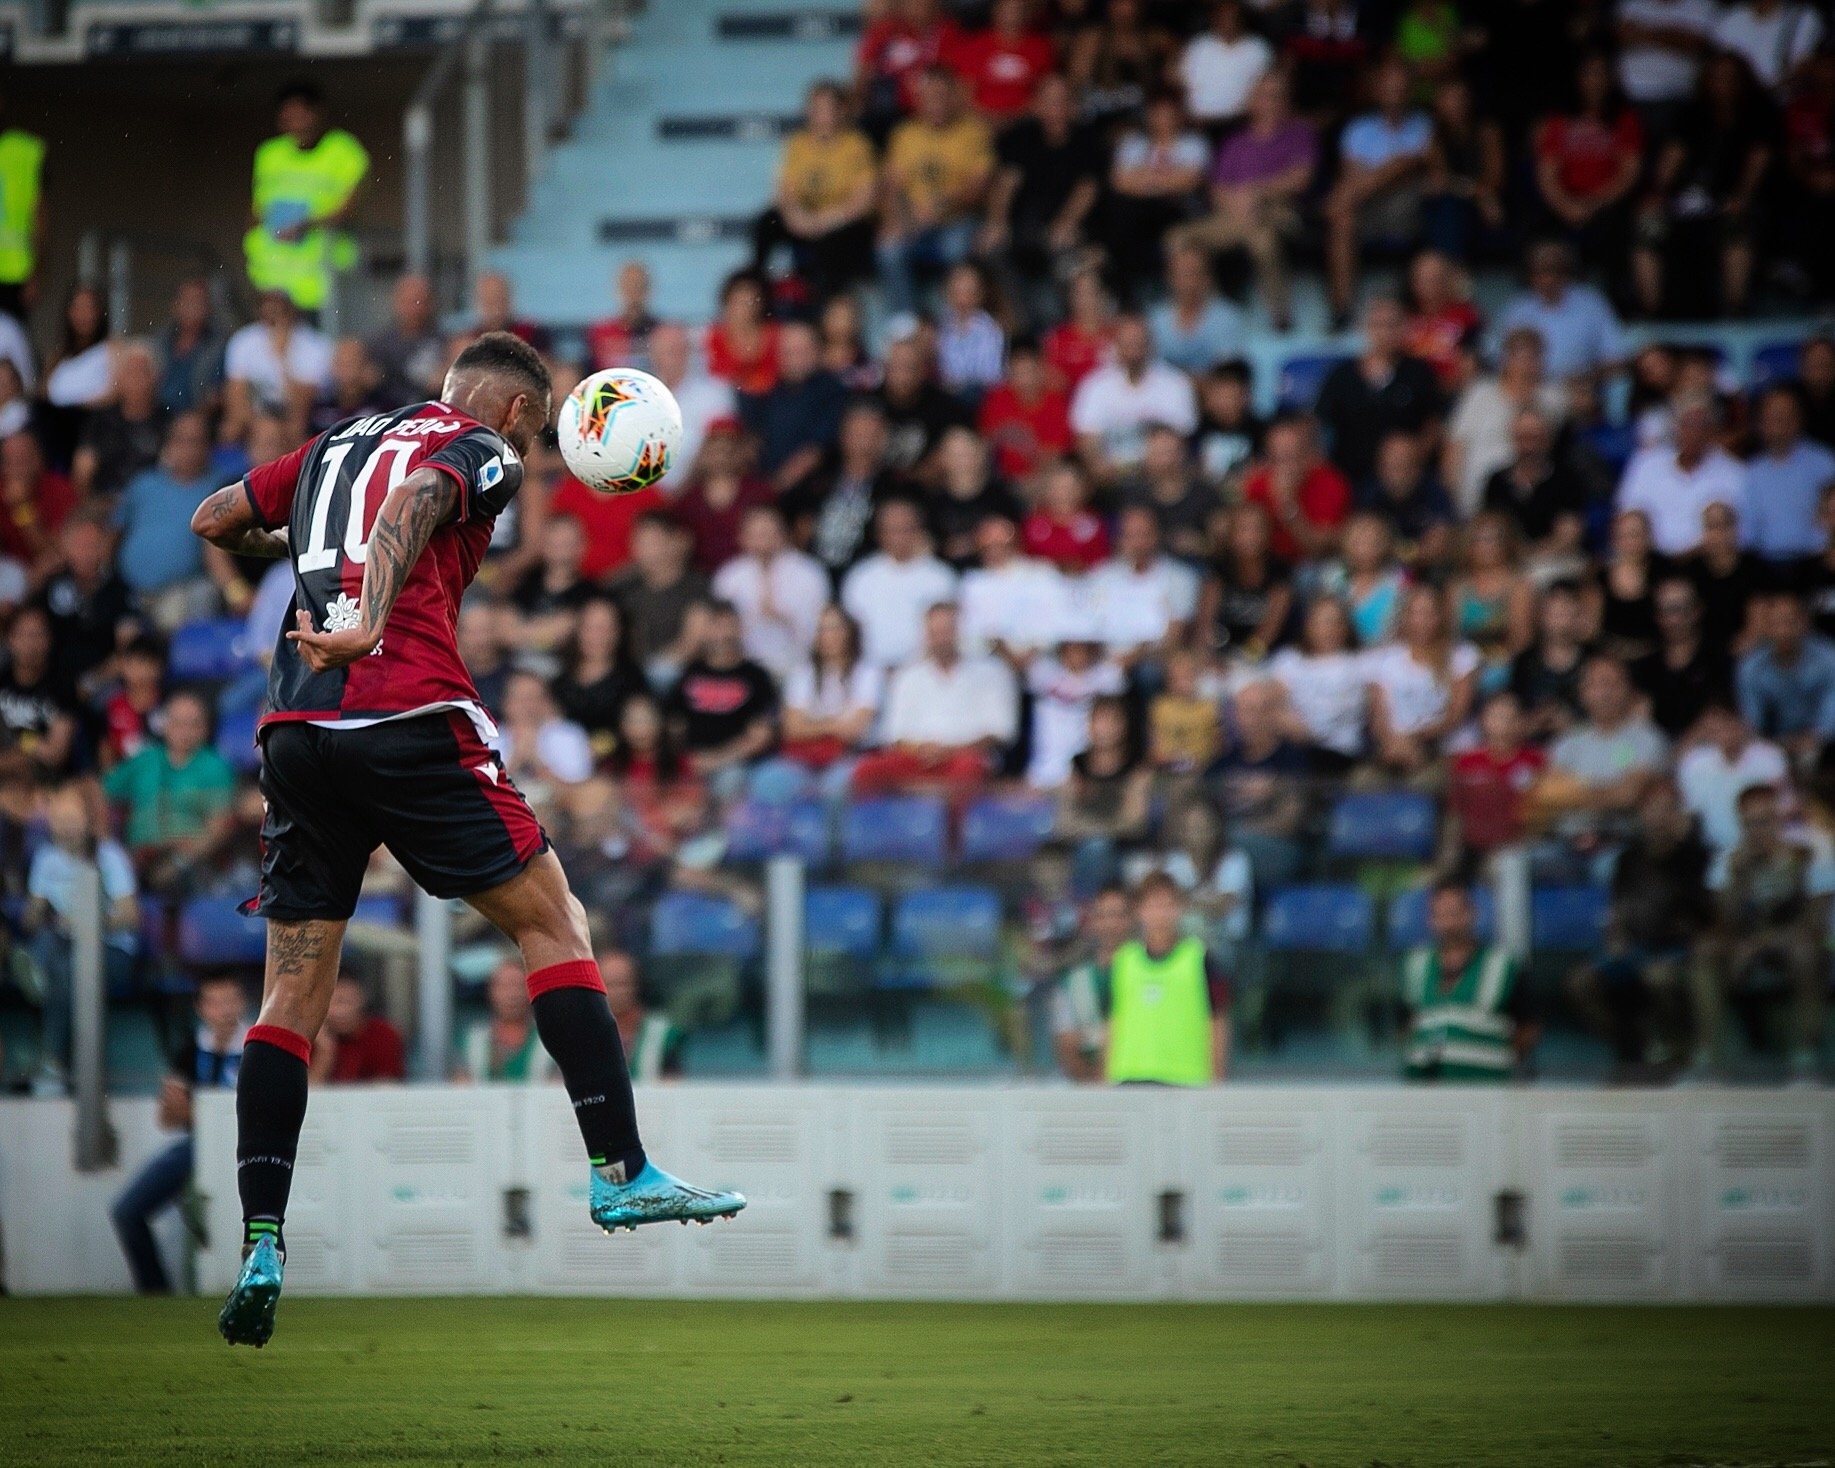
x,y
620,431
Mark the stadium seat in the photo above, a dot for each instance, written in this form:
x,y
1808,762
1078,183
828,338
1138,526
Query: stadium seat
x,y
841,920
907,829
212,934
207,652
943,936
1775,362
1568,919
236,741
1393,825
695,924
1006,828
1407,917
1319,919
382,908
1303,376
757,830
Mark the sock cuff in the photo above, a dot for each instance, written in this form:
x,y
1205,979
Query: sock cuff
x,y
576,973
295,1044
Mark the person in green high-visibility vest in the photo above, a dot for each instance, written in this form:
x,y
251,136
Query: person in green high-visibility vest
x,y
1468,1018
22,223
305,182
1168,1001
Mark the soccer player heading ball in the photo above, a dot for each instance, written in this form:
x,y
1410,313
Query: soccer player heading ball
x,y
375,735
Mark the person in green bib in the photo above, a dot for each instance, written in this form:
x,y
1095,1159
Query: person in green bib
x,y
503,1046
1466,1012
1167,999
305,182
22,225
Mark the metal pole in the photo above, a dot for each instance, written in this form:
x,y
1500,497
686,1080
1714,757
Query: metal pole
x,y
784,967
120,287
1510,888
417,144
537,92
95,1139
433,926
477,155
89,257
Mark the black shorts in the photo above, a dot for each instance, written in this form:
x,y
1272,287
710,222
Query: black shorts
x,y
428,788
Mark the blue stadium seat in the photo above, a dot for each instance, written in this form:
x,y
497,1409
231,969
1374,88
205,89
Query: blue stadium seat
x,y
842,920
757,830
1775,362
1397,825
236,741
207,651
910,829
1303,376
1407,925
1006,828
943,935
1568,919
383,909
212,934
1319,919
693,923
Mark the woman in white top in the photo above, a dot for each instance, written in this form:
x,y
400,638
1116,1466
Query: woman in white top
x,y
831,703
1325,684
1421,687
82,373
1478,441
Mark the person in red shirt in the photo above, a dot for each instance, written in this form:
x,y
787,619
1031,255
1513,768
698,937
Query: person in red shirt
x,y
1440,319
355,1046
1025,418
129,713
1588,161
1306,498
716,500
1002,64
624,340
742,344
892,55
606,520
1490,783
34,501
1083,340
1063,529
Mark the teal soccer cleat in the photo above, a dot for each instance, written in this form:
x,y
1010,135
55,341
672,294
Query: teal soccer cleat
x,y
247,1316
655,1197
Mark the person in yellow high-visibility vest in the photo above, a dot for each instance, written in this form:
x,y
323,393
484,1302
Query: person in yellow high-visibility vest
x,y
305,182
1168,1000
22,223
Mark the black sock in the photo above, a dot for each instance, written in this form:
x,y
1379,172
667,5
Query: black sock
x,y
576,1028
270,1109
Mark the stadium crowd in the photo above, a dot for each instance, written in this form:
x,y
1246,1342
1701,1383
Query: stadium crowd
x,y
1040,544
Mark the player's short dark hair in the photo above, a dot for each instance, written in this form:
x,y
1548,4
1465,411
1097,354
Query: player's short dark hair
x,y
506,353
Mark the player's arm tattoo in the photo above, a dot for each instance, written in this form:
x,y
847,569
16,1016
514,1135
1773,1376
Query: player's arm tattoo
x,y
415,508
226,520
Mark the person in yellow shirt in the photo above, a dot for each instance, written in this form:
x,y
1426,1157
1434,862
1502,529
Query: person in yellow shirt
x,y
938,167
827,186
22,223
305,182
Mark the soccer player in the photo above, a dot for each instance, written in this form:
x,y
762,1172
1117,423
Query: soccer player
x,y
374,735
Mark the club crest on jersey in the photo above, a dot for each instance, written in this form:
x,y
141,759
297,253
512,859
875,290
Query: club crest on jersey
x,y
343,615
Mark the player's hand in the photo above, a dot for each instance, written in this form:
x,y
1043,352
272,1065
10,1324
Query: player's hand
x,y
323,651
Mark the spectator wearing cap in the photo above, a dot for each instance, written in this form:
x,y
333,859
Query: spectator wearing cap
x,y
1305,496
1047,181
1025,417
938,167
1382,163
827,182
948,717
1580,331
1143,601
889,592
1673,484
189,348
1787,682
1114,405
799,416
1194,328
705,400
1381,391
779,591
1012,604
410,352
1786,483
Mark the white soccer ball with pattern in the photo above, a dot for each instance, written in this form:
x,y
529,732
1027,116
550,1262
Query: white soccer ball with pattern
x,y
620,431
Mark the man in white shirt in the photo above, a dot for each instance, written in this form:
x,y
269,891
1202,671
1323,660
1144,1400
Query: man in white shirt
x,y
1011,604
1673,483
1141,601
1774,36
1117,402
947,716
888,593
704,400
780,592
1221,65
1661,43
1729,759
276,364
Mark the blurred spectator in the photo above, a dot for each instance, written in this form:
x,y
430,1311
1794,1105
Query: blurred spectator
x,y
1260,785
1422,687
1229,432
276,364
704,400
1064,687
1180,504
1001,65
1787,481
1441,319
1327,696
938,166
1184,728
410,352
1116,62
1247,596
1220,66
778,591
355,390
832,513
890,592
1115,404
1492,604
800,415
1462,207
842,328
1382,391
1726,760
81,372
1154,179
1481,437
88,602
1588,160
123,438
1366,577
1816,377
1077,1007
1787,682
1606,762
1408,497
1627,587
723,711
1085,339
172,793
37,500
714,504
1772,897
827,183
39,711
1661,44
1168,1000
356,1047
1727,579
1541,499
1144,602
831,702
1012,605
130,712
741,345
1465,1007
623,339
1773,37
1688,671
1809,167
210,1058
597,672
1488,783
494,309
967,495
1256,183
1305,497
948,717
161,560
1062,528
1105,800
189,350
1578,328
899,44
1049,175
306,179
1024,418
484,648
1194,328
1674,484
652,1045
503,1046
655,593
918,412
971,347
541,748
1382,167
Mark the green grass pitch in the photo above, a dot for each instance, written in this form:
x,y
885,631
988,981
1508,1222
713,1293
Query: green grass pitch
x,y
610,1382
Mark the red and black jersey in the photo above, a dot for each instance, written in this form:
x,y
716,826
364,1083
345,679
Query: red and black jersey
x,y
327,494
